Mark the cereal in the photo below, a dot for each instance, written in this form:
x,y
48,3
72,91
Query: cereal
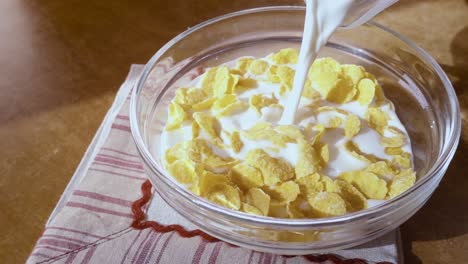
x,y
225,139
366,182
325,204
258,102
308,161
352,126
225,195
246,176
258,67
285,56
401,182
259,199
366,88
208,123
273,170
177,115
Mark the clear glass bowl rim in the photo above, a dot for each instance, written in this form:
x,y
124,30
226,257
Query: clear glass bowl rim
x,y
445,154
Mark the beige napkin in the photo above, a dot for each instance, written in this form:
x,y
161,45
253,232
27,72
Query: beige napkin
x,y
92,221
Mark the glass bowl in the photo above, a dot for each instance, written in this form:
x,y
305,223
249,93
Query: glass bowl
x,y
423,96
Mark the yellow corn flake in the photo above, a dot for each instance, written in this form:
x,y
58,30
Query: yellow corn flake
x,y
366,88
247,208
176,117
208,80
335,122
324,153
245,84
216,163
397,140
259,101
208,123
208,180
353,72
324,74
274,170
182,150
376,118
258,198
228,105
272,74
293,210
204,105
325,204
290,131
284,192
401,182
309,91
260,126
314,133
286,76
278,209
184,171
246,176
310,184
243,64
354,150
355,200
393,151
258,67
382,169
401,161
308,161
189,96
328,184
218,81
225,195
285,56
195,130
269,134
236,142
379,94
342,92
352,126
366,182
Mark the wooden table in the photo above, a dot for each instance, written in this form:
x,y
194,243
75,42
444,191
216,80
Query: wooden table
x,y
62,62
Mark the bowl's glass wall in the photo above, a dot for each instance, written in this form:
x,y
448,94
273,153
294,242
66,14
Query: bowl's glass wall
x,y
407,76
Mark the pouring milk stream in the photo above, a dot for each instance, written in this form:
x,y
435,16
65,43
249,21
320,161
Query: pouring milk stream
x,y
323,17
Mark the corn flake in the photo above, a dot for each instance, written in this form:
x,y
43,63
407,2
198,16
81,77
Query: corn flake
x,y
355,200
208,123
286,76
208,180
204,105
247,208
258,198
353,72
354,150
401,182
243,64
310,184
228,105
246,176
236,142
177,116
258,67
285,56
274,170
366,88
397,140
366,182
325,204
376,118
352,125
308,161
259,101
342,92
381,168
272,74
184,171
225,195
285,192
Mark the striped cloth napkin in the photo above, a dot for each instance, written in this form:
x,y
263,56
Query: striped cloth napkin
x,y
109,213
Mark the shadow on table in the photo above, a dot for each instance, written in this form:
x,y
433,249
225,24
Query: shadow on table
x,y
445,215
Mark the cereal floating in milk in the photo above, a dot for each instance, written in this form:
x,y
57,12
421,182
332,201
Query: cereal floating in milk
x,y
223,140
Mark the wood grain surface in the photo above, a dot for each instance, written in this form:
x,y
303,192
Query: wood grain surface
x,y
61,63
